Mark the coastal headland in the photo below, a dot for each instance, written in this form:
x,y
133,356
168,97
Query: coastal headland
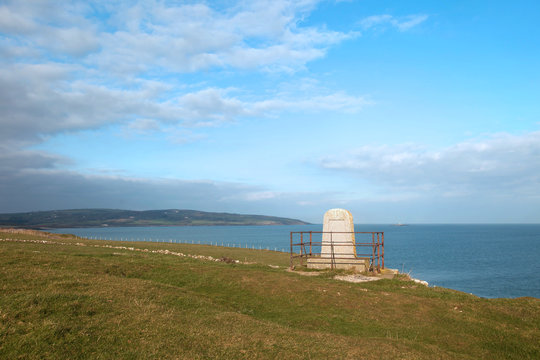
x,y
65,297
79,218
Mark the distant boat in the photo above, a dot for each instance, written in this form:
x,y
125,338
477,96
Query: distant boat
x,y
400,224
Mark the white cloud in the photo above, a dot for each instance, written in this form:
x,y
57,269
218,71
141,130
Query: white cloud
x,y
13,22
191,37
43,99
500,164
328,102
57,60
49,27
211,105
40,100
143,125
409,22
126,37
72,41
402,23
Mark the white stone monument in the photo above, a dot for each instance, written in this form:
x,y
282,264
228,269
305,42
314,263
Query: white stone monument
x,y
338,235
338,250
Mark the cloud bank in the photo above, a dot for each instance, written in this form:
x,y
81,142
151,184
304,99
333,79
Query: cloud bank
x,y
499,165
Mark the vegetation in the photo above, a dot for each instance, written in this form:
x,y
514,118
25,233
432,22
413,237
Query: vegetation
x,y
110,217
69,298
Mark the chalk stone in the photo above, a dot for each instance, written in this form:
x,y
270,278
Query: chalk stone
x,y
338,235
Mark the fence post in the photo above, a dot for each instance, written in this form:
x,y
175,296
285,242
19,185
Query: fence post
x,y
378,252
291,259
310,241
373,251
383,250
301,249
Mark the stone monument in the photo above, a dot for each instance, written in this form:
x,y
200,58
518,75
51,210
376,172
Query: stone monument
x,y
338,250
338,235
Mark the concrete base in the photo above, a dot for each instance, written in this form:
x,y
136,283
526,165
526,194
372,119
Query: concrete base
x,y
358,264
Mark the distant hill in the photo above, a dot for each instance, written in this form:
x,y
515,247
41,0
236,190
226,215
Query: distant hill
x,y
111,217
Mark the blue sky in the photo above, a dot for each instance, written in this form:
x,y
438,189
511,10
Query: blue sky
x,y
400,111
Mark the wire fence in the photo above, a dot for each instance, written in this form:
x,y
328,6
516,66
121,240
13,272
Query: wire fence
x,y
231,244
192,242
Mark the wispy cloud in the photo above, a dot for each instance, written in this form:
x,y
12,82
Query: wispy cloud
x,y
339,101
402,23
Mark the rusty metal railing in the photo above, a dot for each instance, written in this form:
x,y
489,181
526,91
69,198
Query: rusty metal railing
x,y
308,244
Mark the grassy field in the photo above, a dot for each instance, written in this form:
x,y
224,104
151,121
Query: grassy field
x,y
76,299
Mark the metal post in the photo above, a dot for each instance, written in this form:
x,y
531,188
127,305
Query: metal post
x,y
291,261
383,250
301,249
373,251
310,240
378,253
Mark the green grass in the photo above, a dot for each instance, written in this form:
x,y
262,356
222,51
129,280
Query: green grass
x,y
71,302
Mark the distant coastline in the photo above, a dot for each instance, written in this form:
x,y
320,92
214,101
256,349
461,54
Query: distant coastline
x,y
86,218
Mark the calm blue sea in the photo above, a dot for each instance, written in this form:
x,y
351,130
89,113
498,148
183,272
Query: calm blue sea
x,y
485,260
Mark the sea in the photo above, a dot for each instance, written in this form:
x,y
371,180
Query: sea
x,y
491,261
